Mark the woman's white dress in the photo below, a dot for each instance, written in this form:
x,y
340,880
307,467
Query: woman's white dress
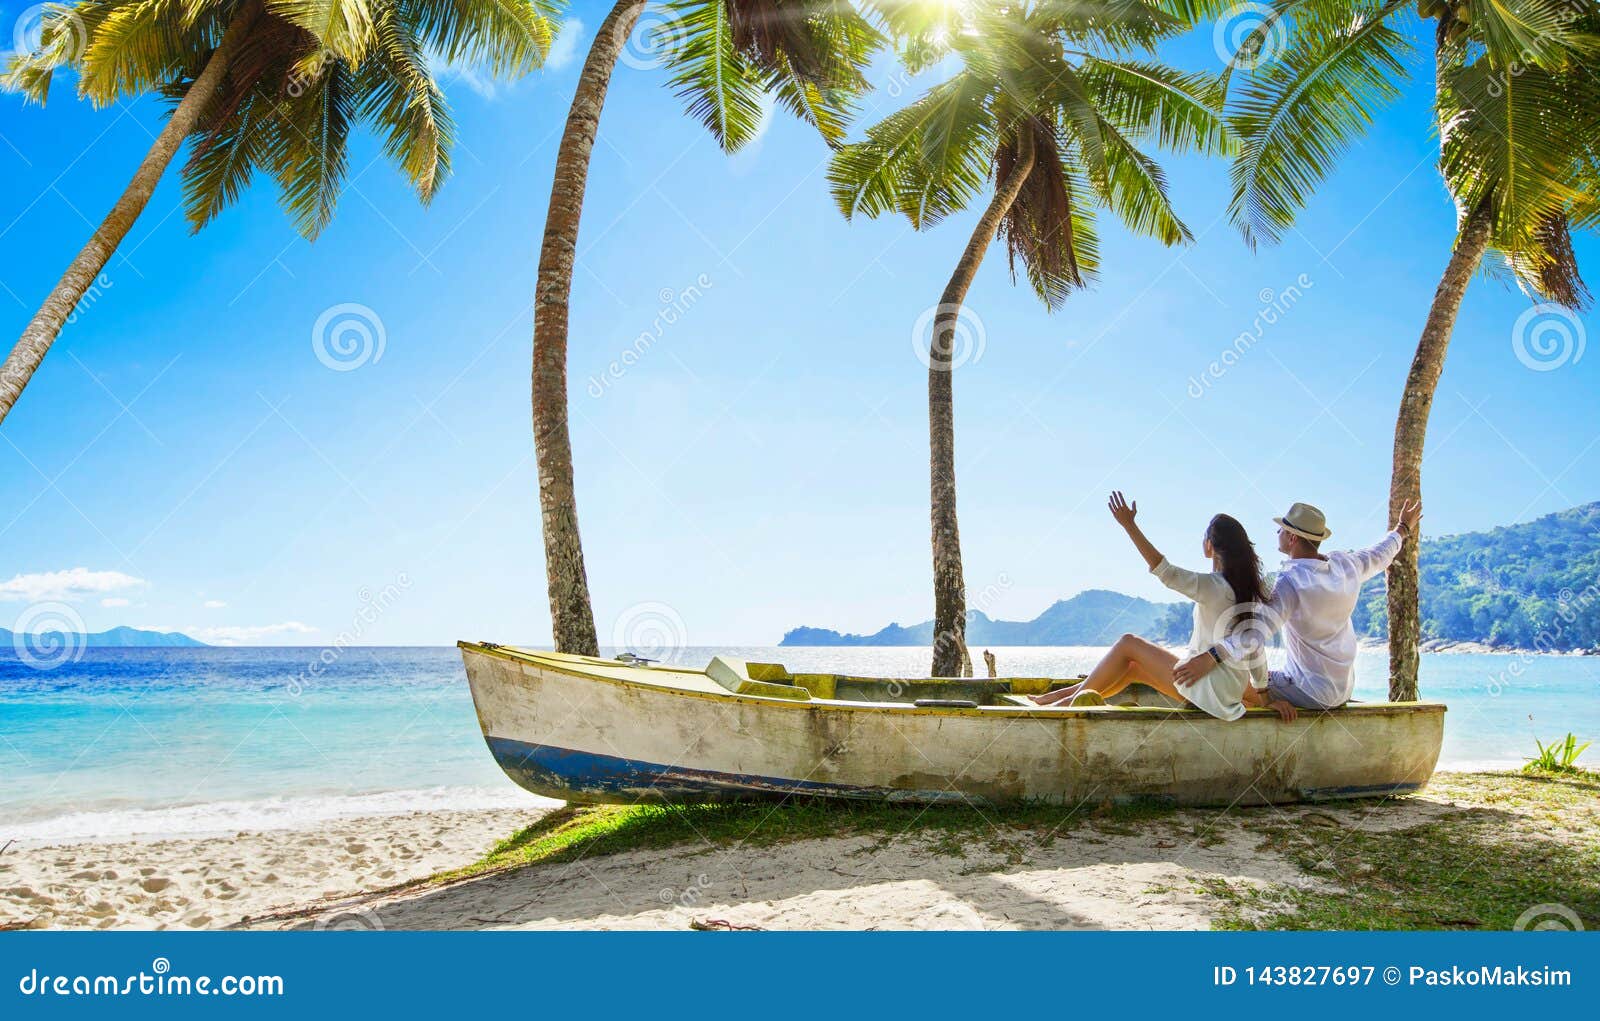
x,y
1221,691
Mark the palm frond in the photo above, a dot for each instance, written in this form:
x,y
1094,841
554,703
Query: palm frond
x,y
710,72
400,97
1544,33
925,160
345,28
1182,111
139,47
1525,145
1296,115
1114,24
220,168
315,155
508,38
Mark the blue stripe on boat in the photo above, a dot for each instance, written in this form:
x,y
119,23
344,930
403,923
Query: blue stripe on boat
x,y
588,776
560,772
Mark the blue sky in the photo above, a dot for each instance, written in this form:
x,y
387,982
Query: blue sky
x,y
184,459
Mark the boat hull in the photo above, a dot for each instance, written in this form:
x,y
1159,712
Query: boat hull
x,y
591,732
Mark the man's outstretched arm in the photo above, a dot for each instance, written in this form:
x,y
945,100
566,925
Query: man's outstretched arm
x,y
1375,560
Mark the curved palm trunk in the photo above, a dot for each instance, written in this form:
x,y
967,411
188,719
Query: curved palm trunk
x,y
571,617
1410,433
42,331
950,656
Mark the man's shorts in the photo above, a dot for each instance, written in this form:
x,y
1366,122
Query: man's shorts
x,y
1283,687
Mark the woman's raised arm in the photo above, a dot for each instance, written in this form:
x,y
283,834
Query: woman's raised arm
x,y
1125,513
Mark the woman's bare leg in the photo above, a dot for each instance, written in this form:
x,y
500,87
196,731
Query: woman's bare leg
x,y
1129,659
1058,695
1140,661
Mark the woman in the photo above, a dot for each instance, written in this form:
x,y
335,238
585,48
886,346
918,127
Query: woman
x,y
1224,601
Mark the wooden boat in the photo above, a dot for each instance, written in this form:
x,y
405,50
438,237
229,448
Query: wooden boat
x,y
593,730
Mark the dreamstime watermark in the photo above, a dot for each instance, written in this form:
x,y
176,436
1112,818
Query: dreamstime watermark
x,y
674,306
654,42
1548,918
1248,35
1570,605
48,635
653,631
362,919
158,981
53,28
1247,630
347,336
1274,306
964,342
373,606
1547,337
97,287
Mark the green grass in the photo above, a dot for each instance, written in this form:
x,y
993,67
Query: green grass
x,y
568,834
1525,841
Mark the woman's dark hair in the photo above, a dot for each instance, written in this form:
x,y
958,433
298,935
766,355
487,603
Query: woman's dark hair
x,y
1241,568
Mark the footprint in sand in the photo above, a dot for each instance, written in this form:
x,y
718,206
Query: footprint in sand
x,y
155,884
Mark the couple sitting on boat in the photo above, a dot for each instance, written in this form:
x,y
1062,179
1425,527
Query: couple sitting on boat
x,y
1234,619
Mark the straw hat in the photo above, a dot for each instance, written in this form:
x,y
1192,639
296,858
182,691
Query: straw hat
x,y
1307,522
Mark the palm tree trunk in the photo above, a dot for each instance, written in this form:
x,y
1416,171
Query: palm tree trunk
x,y
1410,434
950,654
42,331
571,616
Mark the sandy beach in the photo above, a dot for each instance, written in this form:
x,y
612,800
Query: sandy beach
x,y
218,881
1190,869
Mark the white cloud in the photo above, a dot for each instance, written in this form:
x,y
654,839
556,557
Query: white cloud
x,y
472,78
565,46
248,635
114,602
215,604
71,585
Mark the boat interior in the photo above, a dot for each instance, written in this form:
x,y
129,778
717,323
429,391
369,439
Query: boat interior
x,y
772,680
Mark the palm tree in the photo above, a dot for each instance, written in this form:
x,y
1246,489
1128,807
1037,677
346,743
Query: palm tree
x,y
723,56
1048,105
1516,111
272,87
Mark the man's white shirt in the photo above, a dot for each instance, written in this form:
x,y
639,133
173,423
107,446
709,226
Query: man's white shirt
x,y
1312,603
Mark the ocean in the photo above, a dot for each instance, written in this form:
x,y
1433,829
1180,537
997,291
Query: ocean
x,y
164,742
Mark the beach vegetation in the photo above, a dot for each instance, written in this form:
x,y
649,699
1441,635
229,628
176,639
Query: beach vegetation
x,y
1558,756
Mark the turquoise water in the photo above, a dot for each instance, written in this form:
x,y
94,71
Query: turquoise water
x,y
153,741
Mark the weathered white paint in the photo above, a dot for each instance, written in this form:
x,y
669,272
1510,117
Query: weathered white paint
x,y
683,720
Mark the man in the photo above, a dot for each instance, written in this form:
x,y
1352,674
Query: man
x,y
1311,603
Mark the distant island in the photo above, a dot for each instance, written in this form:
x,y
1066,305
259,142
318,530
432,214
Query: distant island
x,y
116,638
1533,586
1095,617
